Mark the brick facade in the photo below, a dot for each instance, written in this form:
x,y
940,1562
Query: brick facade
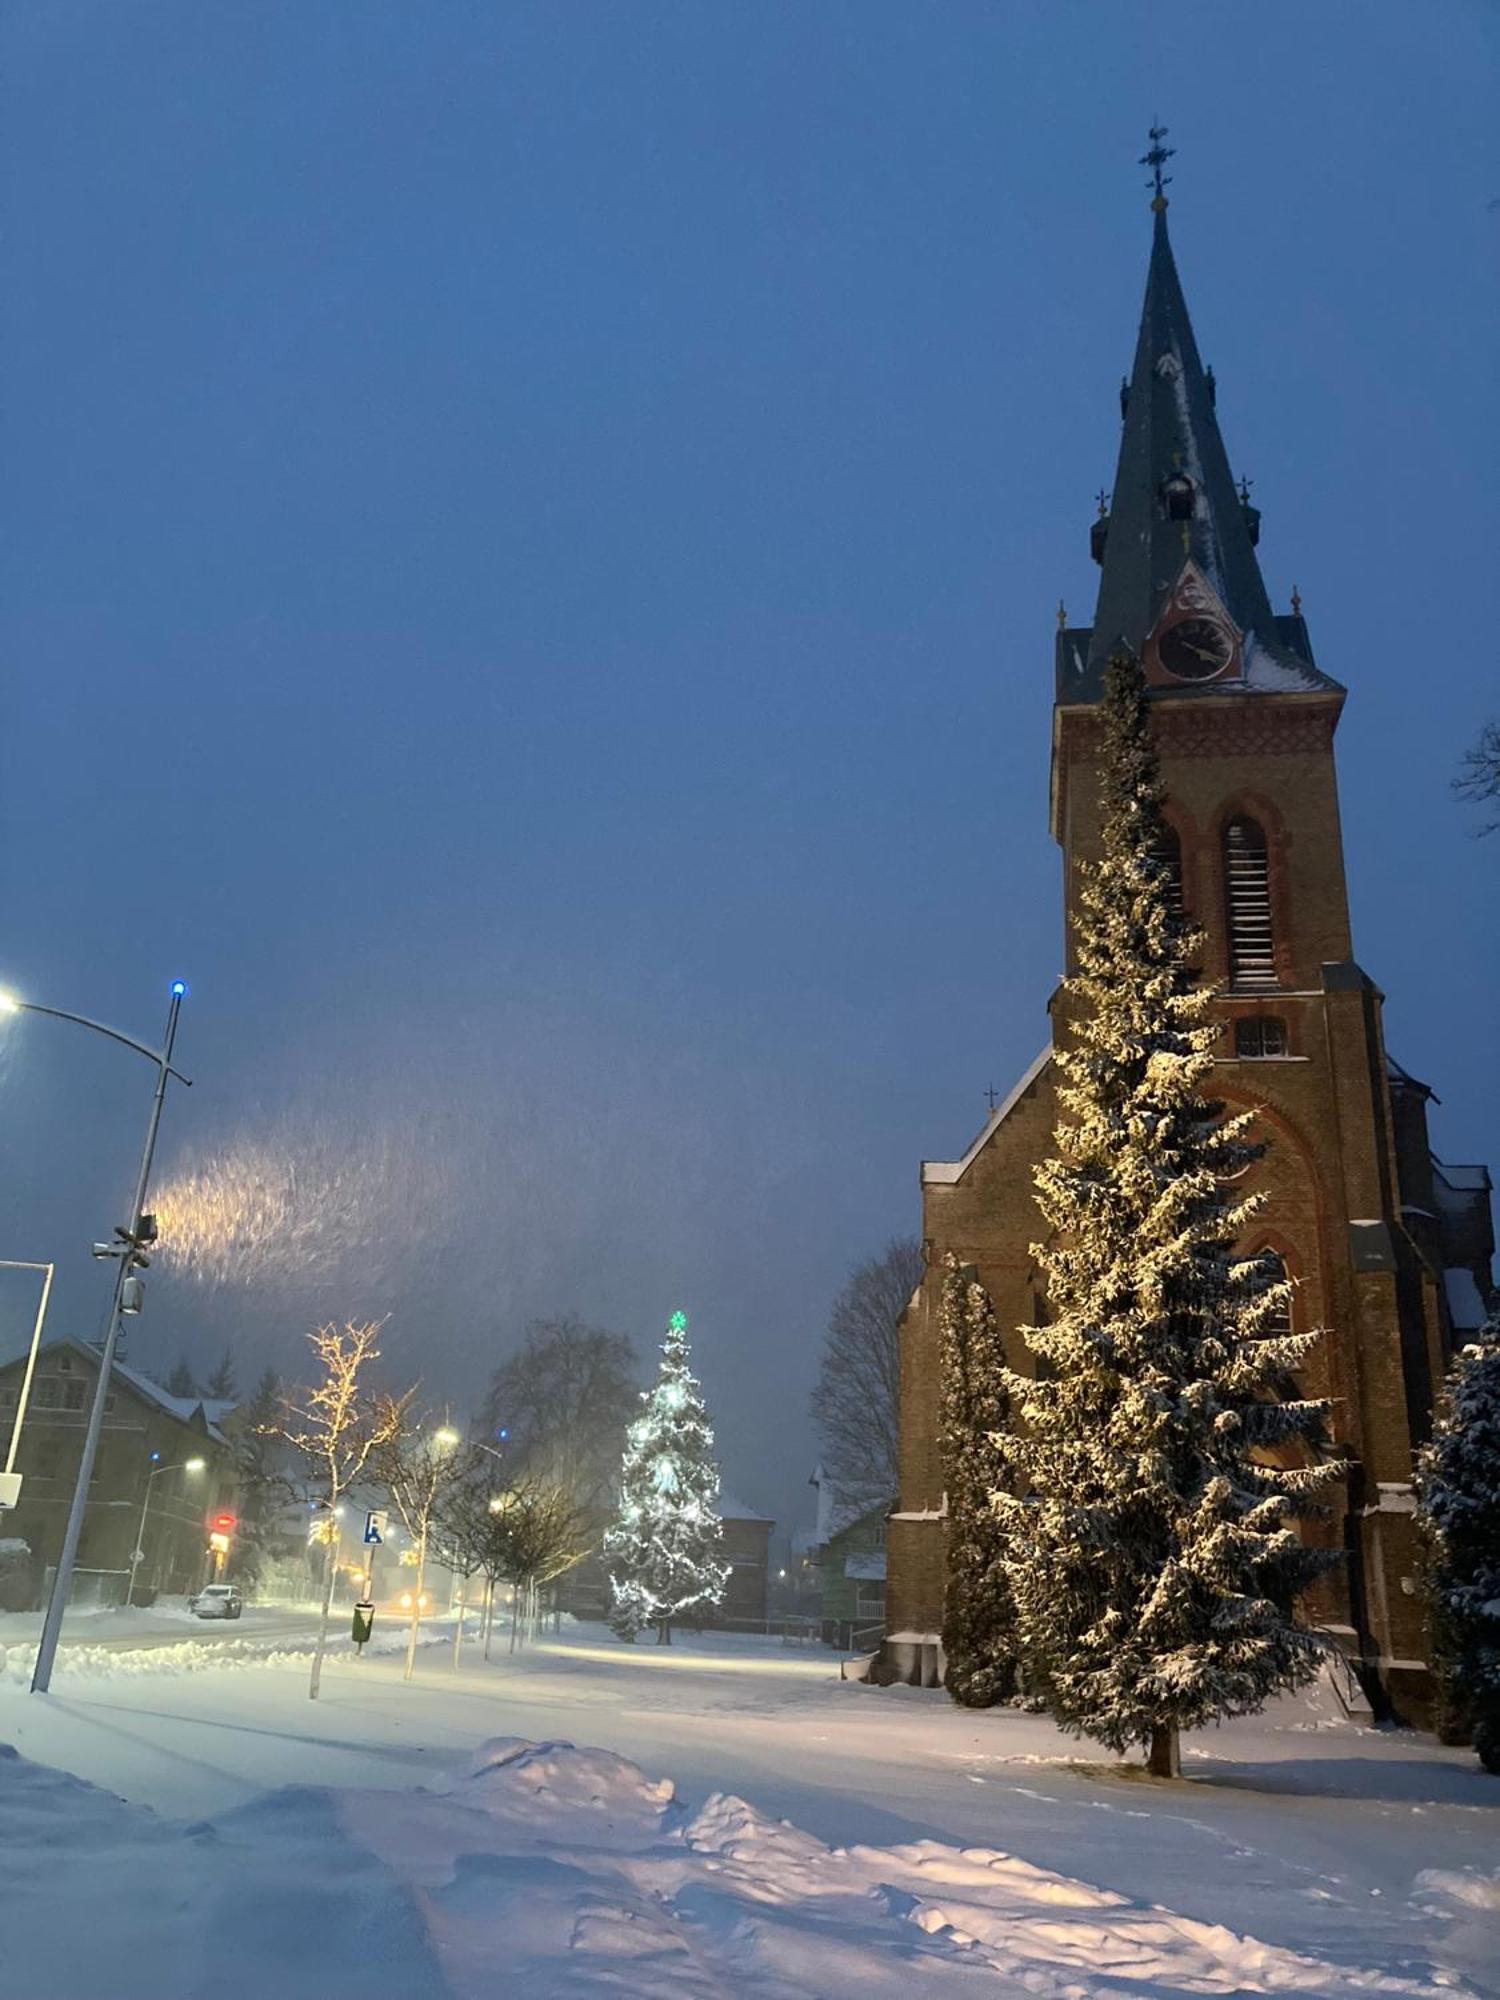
x,y
1391,1249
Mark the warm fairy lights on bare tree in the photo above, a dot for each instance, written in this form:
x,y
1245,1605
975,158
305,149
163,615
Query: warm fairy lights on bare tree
x,y
335,1426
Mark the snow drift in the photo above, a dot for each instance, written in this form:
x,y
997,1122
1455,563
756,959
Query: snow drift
x,y
553,1870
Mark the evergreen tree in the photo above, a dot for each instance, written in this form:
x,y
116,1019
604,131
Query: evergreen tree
x,y
978,1621
221,1384
181,1381
1458,1490
1154,1484
262,1480
664,1544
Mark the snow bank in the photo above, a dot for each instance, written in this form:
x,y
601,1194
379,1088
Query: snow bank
x,y
193,1656
552,1870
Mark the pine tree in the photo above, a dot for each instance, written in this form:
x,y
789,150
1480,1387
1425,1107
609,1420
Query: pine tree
x,y
664,1544
1458,1491
978,1620
221,1384
181,1381
1152,1548
263,1487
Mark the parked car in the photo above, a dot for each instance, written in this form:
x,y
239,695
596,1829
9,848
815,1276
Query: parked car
x,y
217,1600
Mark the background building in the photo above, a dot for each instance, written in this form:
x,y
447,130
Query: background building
x,y
145,1432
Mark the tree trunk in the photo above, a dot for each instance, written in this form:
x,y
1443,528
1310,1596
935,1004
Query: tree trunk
x,y
416,1604
489,1612
458,1629
1163,1759
330,1571
664,1633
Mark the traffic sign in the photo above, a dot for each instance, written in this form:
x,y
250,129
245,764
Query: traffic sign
x,y
377,1521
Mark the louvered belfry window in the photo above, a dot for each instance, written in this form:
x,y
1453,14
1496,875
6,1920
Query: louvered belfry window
x,y
1166,852
1247,887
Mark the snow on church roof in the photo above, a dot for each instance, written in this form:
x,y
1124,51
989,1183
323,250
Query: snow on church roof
x,y
943,1173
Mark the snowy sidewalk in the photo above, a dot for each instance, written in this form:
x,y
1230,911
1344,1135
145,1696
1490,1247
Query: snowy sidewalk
x,y
930,1849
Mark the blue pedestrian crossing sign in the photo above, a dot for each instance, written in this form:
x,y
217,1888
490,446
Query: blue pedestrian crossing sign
x,y
376,1523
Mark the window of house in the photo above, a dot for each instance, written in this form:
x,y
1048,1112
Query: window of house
x,y
45,1393
1247,896
1166,852
9,1396
72,1395
1259,1036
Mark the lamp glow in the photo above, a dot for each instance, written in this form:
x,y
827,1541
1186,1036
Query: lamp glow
x,y
9,1004
193,1464
179,989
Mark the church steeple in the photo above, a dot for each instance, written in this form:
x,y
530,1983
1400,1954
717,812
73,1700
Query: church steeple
x,y
1174,495
1176,534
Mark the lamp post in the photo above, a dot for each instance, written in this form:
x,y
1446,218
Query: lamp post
x,y
10,1479
128,1253
136,1554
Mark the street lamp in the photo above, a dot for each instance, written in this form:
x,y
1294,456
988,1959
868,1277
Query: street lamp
x,y
10,1479
187,1465
129,1253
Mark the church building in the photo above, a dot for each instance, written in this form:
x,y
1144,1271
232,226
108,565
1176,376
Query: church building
x,y
1390,1246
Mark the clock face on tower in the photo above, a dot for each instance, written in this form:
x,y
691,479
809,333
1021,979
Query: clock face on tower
x,y
1195,649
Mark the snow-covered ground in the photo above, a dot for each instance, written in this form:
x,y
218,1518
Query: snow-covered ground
x,y
822,1839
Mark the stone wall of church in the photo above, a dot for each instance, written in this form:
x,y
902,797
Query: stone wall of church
x,y
1333,1204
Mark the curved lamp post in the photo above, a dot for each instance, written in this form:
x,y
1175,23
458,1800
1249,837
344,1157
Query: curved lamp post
x,y
128,1251
138,1552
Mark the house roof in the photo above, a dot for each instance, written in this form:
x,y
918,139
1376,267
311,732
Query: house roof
x,y
730,1509
202,1415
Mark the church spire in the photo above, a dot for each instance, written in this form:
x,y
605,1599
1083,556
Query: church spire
x,y
1174,497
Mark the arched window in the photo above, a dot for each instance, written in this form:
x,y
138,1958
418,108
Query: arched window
x,y
1247,897
1166,852
1280,1321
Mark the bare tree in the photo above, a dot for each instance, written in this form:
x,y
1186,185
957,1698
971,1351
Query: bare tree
x,y
854,1404
1478,780
541,1532
335,1427
561,1406
420,1464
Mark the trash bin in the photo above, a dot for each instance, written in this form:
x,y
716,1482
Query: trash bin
x,y
364,1622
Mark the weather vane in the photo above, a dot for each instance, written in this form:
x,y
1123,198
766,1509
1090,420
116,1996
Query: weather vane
x,y
992,1097
1156,158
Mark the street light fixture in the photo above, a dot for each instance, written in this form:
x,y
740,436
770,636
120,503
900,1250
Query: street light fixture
x,y
187,1465
129,1256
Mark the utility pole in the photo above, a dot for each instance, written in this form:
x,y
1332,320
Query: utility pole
x,y
133,1241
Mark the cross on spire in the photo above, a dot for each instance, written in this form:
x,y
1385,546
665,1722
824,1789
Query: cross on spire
x,y
1156,157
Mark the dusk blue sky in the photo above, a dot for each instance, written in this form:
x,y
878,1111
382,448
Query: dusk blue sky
x,y
532,543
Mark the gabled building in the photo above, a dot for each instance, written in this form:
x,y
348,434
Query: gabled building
x,y
1391,1248
148,1435
747,1550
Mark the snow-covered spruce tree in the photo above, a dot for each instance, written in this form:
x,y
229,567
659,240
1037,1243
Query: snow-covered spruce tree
x,y
1150,1520
978,1621
1458,1491
663,1547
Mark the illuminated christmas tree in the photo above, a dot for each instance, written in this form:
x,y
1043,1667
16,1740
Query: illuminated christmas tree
x,y
663,1548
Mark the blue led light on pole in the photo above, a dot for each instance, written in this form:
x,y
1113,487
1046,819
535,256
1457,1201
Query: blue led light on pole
x,y
127,1252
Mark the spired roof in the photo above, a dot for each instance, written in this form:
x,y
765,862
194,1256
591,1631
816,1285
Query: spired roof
x,y
1170,428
